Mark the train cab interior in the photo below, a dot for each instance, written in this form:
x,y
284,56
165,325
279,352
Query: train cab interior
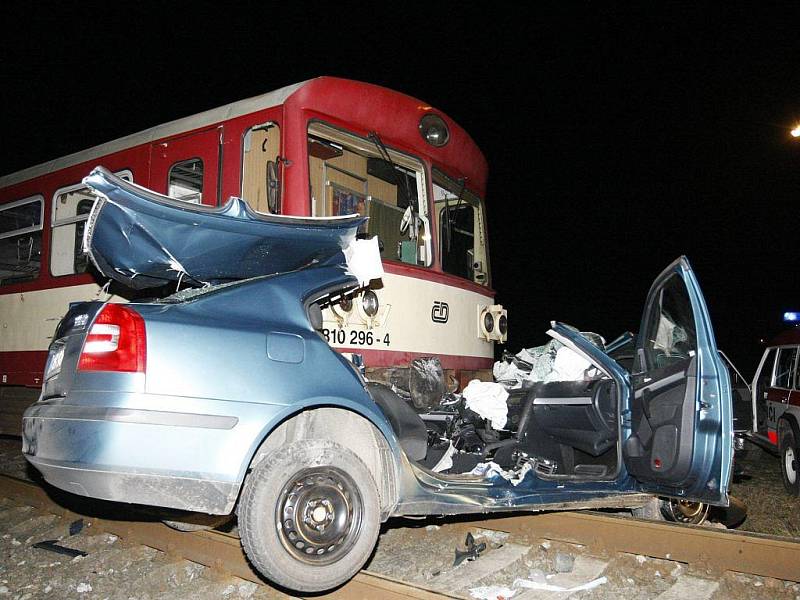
x,y
349,174
352,174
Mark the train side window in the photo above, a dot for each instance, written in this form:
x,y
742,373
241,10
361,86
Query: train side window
x,y
784,370
21,240
185,181
71,208
261,185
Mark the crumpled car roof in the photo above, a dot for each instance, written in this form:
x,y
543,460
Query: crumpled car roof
x,y
143,239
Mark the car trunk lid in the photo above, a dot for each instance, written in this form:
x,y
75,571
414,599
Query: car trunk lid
x,y
144,240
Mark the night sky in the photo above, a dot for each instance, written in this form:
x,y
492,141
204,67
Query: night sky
x,y
617,140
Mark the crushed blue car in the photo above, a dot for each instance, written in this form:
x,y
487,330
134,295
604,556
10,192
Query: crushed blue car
x,y
223,397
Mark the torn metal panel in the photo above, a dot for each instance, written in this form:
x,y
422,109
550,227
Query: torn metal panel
x,y
143,239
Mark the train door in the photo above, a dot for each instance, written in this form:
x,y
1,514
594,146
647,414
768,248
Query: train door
x,y
187,167
262,167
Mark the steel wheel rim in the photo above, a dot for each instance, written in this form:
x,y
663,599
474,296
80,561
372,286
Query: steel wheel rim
x,y
686,511
319,514
789,464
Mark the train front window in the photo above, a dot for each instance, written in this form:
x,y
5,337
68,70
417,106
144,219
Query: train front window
x,y
350,174
462,231
20,240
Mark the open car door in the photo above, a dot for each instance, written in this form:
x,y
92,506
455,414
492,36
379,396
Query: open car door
x,y
677,428
681,441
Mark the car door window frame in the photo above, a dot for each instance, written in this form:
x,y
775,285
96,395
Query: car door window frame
x,y
792,375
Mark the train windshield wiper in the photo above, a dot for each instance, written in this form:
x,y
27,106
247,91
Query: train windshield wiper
x,y
400,182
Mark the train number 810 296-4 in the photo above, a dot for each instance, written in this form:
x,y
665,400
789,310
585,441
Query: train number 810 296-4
x,y
354,337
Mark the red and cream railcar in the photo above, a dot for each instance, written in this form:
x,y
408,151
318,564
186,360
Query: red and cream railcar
x,y
321,148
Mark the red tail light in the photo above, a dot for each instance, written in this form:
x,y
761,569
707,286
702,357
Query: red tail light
x,y
116,342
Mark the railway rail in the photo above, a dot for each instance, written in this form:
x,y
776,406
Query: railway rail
x,y
704,550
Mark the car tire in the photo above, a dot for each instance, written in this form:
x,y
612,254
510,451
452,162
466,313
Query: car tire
x,y
684,511
676,511
309,515
790,459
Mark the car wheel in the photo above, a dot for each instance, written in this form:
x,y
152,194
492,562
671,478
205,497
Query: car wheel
x,y
309,515
790,460
669,509
684,511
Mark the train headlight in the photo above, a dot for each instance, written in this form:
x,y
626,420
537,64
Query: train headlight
x,y
502,324
434,130
492,323
370,304
488,322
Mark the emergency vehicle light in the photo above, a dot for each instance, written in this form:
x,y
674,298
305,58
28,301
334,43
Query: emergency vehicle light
x,y
791,317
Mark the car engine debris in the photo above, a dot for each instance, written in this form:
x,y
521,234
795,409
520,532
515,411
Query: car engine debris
x,y
550,412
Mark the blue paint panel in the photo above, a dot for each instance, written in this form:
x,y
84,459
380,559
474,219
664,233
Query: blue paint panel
x,y
285,347
143,239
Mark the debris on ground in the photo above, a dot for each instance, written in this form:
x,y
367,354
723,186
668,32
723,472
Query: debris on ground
x,y
492,592
564,562
471,550
535,585
52,546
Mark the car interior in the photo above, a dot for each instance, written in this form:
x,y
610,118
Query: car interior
x,y
563,429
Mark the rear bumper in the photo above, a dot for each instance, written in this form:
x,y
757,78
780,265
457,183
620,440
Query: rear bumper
x,y
192,458
184,493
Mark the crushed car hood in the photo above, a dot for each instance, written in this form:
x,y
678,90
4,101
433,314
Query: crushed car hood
x,y
143,239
